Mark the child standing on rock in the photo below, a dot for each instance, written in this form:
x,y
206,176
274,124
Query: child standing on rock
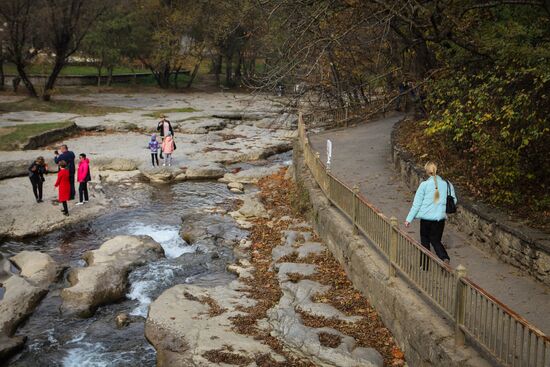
x,y
154,148
83,178
168,147
64,184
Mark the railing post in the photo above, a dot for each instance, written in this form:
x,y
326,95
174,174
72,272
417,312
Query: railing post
x,y
327,187
393,246
460,298
355,207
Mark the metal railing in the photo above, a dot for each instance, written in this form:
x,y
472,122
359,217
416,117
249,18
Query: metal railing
x,y
507,337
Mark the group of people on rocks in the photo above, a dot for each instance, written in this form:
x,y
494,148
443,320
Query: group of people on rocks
x,y
65,160
167,145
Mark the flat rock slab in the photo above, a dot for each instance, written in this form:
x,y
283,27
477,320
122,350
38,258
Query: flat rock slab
x,y
204,170
182,328
23,216
33,117
252,175
104,280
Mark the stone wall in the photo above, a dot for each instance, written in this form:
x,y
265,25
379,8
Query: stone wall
x,y
425,336
76,80
489,229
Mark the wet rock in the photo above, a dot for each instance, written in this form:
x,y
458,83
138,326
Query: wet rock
x,y
235,187
20,299
160,174
10,346
251,208
38,268
252,175
122,320
179,321
204,170
104,280
210,230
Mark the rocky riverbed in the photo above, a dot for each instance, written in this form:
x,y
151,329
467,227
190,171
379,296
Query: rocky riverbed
x,y
198,264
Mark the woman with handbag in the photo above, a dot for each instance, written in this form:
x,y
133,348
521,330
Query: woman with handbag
x,y
431,208
37,169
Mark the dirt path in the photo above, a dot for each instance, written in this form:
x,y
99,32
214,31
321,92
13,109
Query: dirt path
x,y
362,155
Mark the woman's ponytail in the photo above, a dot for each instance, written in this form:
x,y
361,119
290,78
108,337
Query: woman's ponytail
x,y
431,170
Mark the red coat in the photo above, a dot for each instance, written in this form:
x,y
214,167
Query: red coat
x,y
64,184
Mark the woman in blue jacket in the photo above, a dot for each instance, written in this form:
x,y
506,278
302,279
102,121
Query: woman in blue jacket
x,y
429,206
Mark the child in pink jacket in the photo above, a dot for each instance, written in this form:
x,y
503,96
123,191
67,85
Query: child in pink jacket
x,y
168,148
83,176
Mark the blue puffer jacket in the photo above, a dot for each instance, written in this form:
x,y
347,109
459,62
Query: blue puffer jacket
x,y
424,207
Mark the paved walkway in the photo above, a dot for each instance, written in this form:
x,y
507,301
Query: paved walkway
x,y
362,155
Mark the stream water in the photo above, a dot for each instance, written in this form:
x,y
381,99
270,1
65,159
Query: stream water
x,y
55,339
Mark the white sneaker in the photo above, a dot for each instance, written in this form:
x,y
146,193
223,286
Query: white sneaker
x,y
164,164
79,203
85,201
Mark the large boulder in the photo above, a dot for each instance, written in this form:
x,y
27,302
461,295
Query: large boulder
x,y
162,174
104,280
10,346
37,267
20,299
187,322
204,170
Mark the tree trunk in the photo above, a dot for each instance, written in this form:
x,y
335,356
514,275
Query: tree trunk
x,y
238,71
110,77
228,70
2,77
176,74
218,68
26,80
99,75
194,73
50,83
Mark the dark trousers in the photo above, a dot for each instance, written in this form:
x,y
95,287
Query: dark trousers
x,y
65,207
154,157
37,188
73,191
83,191
431,232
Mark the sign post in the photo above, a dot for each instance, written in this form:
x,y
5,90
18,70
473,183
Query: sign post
x,y
329,152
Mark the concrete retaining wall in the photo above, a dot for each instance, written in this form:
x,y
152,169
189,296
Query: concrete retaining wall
x,y
525,248
425,336
76,80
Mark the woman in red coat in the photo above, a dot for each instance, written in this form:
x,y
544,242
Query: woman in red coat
x,y
64,184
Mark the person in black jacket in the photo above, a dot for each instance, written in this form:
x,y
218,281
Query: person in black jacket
x,y
37,169
69,157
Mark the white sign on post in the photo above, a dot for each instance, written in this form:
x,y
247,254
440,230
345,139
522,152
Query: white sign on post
x,y
329,152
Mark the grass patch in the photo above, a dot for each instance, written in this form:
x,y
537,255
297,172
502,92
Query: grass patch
x,y
11,137
58,106
165,111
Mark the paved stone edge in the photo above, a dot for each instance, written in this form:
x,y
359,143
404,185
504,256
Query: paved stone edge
x,y
425,336
525,248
